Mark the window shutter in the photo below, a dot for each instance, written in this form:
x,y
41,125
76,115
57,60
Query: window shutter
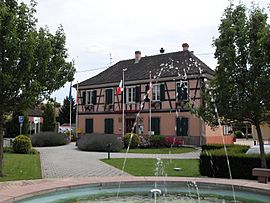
x,y
108,96
138,94
179,92
178,127
123,96
94,97
146,89
84,97
184,123
155,125
89,126
162,92
183,92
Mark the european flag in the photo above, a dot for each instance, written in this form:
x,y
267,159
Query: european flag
x,y
70,92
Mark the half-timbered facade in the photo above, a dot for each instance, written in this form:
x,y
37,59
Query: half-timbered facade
x,y
178,81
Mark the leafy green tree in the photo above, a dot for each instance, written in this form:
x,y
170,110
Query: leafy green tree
x,y
48,117
33,62
241,87
64,112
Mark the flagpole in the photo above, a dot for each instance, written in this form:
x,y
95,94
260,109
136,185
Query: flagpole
x,y
77,110
123,108
150,103
70,103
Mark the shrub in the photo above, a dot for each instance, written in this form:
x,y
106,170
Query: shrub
x,y
157,141
8,149
144,141
238,134
45,139
99,143
221,146
135,141
213,163
173,141
22,144
74,138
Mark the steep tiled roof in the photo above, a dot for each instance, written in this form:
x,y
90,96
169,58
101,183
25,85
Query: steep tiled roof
x,y
170,64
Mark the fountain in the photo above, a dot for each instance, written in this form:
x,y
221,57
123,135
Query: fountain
x,y
154,189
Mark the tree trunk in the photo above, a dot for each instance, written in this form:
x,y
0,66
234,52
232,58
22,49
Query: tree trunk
x,y
262,153
1,142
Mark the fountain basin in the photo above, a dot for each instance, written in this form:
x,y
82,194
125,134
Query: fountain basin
x,y
48,190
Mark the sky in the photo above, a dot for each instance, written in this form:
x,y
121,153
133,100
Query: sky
x,y
103,32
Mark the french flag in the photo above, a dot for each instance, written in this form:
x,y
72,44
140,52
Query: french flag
x,y
119,88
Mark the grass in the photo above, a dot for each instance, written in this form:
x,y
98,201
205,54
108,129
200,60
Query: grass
x,y
179,150
21,167
146,167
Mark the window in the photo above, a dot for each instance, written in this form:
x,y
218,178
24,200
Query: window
x,y
89,126
90,97
131,94
227,129
108,96
108,128
181,126
156,92
155,125
182,90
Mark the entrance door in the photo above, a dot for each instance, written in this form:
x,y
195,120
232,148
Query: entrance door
x,y
129,124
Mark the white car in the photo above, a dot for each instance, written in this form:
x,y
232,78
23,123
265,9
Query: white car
x,y
256,149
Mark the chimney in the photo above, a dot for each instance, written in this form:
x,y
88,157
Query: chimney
x,y
162,50
137,56
185,46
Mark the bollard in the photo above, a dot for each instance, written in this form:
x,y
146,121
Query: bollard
x,y
109,150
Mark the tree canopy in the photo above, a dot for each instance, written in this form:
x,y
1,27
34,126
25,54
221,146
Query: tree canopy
x,y
241,87
64,112
33,62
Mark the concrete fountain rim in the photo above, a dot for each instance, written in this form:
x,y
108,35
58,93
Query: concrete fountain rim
x,y
17,190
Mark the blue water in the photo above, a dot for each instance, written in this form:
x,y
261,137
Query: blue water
x,y
140,193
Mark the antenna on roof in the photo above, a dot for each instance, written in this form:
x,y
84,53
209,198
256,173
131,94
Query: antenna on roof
x,y
111,59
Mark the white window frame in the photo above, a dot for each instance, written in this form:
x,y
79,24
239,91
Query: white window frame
x,y
178,83
87,102
226,129
113,92
133,94
156,89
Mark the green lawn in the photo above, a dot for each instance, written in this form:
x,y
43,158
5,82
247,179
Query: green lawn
x,y
21,167
146,167
179,150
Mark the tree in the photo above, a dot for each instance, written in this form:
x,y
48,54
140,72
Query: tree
x,y
64,112
49,118
33,62
241,87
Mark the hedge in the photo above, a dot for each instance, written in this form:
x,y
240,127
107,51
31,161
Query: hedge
x,y
213,163
243,148
99,143
46,139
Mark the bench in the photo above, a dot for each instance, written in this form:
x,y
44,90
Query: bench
x,y
262,174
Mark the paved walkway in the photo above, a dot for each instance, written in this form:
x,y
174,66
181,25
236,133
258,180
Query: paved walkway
x,y
67,161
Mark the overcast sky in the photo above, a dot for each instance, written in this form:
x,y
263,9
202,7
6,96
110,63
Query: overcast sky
x,y
97,28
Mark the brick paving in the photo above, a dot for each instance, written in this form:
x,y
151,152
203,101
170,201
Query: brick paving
x,y
67,161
